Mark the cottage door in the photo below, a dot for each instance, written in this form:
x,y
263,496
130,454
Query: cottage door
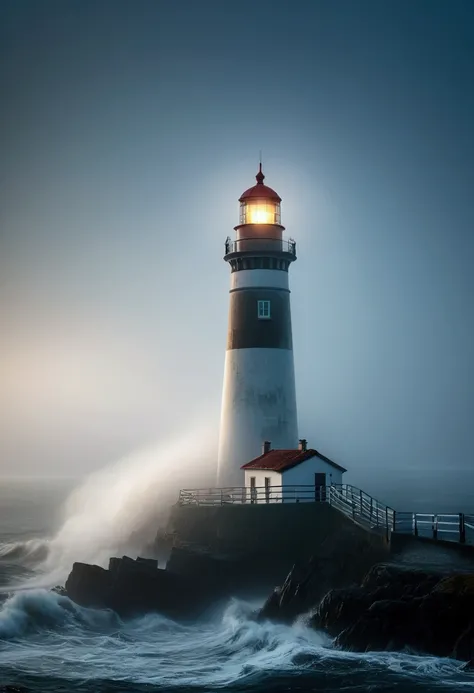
x,y
320,486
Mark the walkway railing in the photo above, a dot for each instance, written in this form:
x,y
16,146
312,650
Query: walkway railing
x,y
362,508
456,527
349,500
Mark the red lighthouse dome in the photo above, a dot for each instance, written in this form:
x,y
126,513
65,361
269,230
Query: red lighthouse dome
x,y
260,204
260,190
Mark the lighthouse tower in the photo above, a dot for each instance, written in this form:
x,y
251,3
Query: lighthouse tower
x,y
259,398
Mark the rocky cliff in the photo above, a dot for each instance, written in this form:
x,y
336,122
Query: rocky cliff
x,y
394,607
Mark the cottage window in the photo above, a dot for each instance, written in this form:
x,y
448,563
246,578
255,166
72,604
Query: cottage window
x,y
267,489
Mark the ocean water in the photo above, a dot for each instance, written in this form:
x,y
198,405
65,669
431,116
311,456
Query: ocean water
x,y
48,644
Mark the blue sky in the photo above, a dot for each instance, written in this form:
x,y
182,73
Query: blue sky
x,y
129,130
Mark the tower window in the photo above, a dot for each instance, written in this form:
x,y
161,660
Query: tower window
x,y
263,310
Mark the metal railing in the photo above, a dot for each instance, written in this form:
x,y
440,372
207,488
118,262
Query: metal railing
x,y
361,507
349,500
238,495
261,244
454,527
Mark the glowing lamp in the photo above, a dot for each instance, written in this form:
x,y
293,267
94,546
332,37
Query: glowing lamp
x,y
260,204
259,212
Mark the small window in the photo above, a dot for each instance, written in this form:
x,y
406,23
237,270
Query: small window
x,y
253,490
263,310
267,489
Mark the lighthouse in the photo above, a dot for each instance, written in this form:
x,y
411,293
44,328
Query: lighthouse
x,y
259,396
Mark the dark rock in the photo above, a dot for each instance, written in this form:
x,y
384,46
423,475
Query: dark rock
x,y
193,579
400,579
464,645
290,599
339,609
89,585
132,587
386,625
396,607
340,562
384,583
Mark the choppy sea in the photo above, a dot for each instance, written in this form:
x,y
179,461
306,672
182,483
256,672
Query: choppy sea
x,y
50,645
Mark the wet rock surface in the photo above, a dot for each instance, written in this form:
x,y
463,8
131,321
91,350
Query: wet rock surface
x,y
194,578
433,618
339,563
394,607
132,587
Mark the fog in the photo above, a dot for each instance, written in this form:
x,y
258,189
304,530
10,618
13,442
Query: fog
x,y
113,511
129,131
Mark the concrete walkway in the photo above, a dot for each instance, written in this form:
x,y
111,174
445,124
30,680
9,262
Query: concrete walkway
x,y
429,555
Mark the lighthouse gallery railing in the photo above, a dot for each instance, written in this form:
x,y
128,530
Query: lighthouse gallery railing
x,y
265,244
351,501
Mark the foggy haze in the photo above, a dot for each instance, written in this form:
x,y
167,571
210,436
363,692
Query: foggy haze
x,y
129,131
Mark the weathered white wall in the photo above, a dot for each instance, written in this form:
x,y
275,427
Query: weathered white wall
x,y
303,474
258,403
259,278
260,475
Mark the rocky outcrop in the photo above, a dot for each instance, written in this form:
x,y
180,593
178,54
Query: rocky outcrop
x,y
396,607
340,562
132,587
194,578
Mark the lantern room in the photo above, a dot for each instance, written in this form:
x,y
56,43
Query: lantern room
x,y
260,204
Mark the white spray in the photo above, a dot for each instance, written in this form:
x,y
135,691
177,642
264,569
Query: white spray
x,y
118,508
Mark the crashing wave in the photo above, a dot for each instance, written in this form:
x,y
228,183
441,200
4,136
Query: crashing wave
x,y
36,610
30,552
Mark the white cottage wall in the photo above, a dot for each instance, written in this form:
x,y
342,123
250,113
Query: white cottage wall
x,y
260,476
303,474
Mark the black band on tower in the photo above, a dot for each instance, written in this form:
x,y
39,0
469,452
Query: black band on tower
x,y
249,331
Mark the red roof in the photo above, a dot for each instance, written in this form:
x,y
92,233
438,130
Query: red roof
x,y
281,460
260,190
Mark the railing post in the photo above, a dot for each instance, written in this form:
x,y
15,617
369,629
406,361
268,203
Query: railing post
x,y
371,508
386,520
222,497
360,502
415,525
462,529
394,521
435,526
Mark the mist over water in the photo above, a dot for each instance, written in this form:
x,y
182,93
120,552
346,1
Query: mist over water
x,y
119,508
